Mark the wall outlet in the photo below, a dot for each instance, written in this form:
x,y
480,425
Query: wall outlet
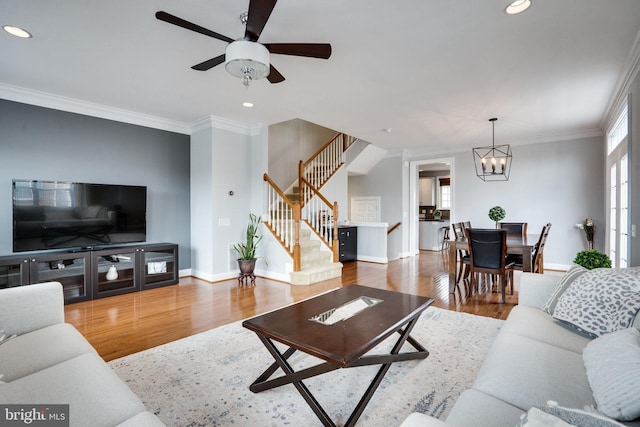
x,y
224,222
633,230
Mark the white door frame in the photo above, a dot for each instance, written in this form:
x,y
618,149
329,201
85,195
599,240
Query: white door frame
x,y
414,188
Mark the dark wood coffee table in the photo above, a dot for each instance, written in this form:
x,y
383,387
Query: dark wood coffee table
x,y
314,327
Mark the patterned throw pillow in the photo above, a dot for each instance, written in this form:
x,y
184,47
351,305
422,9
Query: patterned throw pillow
x,y
612,362
566,281
600,301
558,416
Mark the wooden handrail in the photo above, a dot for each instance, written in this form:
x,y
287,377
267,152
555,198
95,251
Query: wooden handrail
x,y
315,191
394,227
278,190
319,150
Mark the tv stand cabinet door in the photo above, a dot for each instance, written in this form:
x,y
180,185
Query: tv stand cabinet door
x,y
158,265
72,270
114,271
14,271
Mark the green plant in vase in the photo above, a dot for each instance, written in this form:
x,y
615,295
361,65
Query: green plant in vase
x,y
592,258
497,214
247,249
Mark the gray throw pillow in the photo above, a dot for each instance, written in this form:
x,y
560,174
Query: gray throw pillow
x,y
566,281
574,417
612,362
600,301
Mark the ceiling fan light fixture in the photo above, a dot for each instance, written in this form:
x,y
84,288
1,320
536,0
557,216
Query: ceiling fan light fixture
x,y
17,31
247,60
518,6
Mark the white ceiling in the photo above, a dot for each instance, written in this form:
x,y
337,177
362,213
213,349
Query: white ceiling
x,y
434,71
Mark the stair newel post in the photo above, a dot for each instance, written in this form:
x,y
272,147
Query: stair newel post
x,y
297,215
334,243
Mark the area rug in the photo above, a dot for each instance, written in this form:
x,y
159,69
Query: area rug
x,y
203,380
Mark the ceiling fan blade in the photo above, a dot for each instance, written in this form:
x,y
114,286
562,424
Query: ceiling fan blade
x,y
258,15
172,19
274,75
209,64
311,50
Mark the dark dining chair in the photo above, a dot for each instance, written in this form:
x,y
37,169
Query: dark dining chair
x,y
463,256
488,255
519,228
537,260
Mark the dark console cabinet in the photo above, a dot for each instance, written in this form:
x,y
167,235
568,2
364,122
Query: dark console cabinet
x,y
133,268
348,243
84,274
70,269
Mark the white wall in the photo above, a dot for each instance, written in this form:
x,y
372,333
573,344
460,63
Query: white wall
x,y
559,182
223,161
386,180
290,142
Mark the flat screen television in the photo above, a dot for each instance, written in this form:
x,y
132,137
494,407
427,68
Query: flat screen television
x,y
56,215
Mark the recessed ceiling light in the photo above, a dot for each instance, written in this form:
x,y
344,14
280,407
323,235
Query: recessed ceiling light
x,y
518,6
17,31
386,130
247,104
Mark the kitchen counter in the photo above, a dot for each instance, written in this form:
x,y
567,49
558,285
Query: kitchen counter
x,y
431,234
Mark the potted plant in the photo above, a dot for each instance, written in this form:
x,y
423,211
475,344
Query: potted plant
x,y
497,214
437,214
247,250
592,258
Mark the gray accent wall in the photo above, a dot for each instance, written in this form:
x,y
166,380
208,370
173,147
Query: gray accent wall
x,y
45,144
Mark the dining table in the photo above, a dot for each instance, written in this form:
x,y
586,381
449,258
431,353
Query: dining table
x,y
516,244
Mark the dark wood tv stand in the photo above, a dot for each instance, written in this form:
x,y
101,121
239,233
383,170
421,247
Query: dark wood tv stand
x,y
83,273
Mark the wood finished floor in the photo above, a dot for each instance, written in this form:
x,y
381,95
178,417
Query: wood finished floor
x,y
125,324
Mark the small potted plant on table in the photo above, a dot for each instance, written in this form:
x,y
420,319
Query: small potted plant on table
x,y
497,214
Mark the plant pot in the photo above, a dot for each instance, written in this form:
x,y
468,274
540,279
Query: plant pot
x,y
246,265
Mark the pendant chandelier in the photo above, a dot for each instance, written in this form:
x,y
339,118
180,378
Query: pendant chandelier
x,y
493,163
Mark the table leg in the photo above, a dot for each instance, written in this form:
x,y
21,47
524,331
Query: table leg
x,y
291,377
453,263
404,336
526,260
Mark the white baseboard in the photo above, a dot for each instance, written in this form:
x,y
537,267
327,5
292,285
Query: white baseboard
x,y
560,267
379,260
185,273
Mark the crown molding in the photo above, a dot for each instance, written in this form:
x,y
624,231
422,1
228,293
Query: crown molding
x,y
619,98
542,139
213,122
62,103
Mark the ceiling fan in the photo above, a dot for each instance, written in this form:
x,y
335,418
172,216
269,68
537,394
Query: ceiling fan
x,y
246,58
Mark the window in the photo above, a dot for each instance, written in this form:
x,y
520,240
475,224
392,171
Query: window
x,y
445,193
617,241
619,131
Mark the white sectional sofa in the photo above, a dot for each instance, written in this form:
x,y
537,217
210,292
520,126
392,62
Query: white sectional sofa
x,y
535,359
50,362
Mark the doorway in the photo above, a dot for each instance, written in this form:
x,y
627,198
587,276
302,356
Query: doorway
x,y
441,166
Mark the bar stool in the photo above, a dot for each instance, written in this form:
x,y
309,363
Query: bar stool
x,y
445,237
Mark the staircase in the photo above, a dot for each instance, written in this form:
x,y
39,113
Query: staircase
x,y
316,264
303,220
